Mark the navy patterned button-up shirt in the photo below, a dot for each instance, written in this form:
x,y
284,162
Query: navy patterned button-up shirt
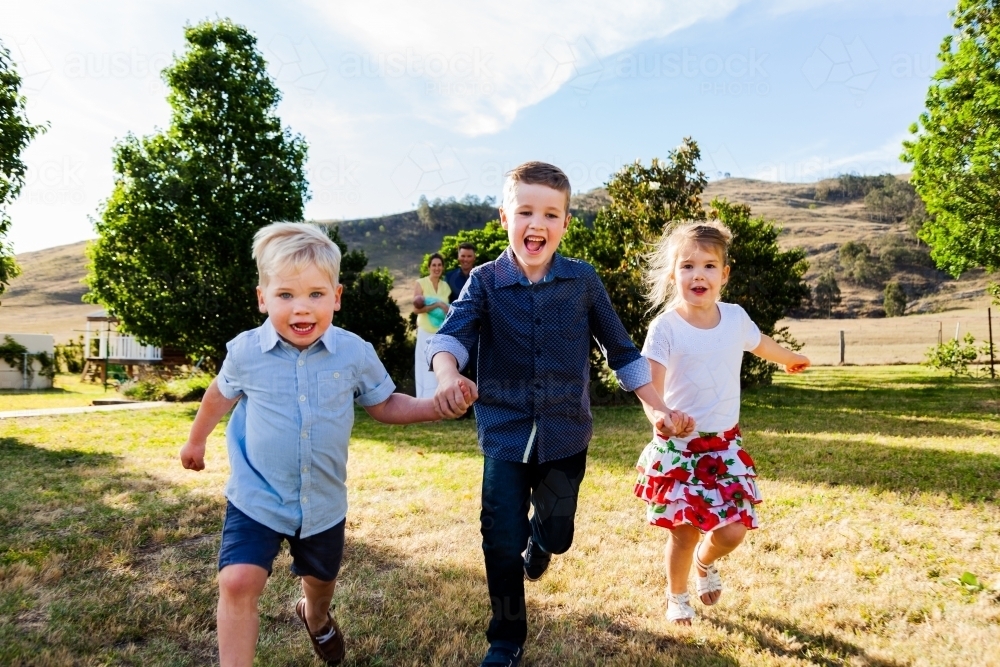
x,y
533,354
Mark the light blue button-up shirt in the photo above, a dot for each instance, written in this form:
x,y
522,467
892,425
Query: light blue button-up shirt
x,y
288,436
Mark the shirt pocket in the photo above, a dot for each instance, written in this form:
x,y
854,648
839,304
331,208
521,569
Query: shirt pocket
x,y
336,389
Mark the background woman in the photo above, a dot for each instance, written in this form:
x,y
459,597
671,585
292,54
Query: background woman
x,y
430,302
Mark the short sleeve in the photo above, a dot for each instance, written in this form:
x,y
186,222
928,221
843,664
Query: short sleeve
x,y
750,331
657,344
228,381
373,382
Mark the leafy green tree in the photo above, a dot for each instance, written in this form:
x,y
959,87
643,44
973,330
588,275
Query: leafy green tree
x,y
368,309
173,258
490,242
765,280
15,135
894,299
826,294
643,201
955,168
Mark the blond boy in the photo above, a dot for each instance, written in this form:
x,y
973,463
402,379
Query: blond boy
x,y
294,381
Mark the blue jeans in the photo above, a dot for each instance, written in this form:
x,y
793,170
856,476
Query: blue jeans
x,y
509,487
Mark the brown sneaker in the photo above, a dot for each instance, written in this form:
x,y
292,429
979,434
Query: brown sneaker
x,y
328,642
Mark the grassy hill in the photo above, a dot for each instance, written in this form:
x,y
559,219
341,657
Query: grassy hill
x,y
46,298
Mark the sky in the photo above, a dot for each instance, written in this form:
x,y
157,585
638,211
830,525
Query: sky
x,y
398,99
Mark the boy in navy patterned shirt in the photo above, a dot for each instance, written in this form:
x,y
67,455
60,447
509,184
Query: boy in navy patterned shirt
x,y
534,312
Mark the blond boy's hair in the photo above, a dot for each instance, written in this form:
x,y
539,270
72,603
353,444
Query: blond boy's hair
x,y
709,235
283,246
536,173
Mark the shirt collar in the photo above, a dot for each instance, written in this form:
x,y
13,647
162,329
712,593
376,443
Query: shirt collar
x,y
509,273
269,338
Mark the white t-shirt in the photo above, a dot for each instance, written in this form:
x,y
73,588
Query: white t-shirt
x,y
703,365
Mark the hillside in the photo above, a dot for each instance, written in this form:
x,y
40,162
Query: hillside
x,y
46,298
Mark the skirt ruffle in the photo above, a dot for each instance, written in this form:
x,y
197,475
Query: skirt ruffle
x,y
706,480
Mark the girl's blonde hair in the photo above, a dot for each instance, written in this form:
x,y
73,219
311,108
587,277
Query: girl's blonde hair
x,y
709,235
281,246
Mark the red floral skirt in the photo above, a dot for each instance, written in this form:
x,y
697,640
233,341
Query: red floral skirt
x,y
706,480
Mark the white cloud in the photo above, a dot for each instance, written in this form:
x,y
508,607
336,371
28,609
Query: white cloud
x,y
473,66
814,167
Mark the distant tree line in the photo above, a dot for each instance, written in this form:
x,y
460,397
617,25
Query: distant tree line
x,y
469,212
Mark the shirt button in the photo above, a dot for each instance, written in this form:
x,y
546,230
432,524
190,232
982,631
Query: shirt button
x,y
302,362
538,385
305,434
336,375
305,499
538,320
305,469
538,352
302,398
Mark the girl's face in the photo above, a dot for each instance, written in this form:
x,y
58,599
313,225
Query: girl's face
x,y
699,275
436,268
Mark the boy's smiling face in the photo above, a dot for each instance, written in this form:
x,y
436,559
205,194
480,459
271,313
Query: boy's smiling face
x,y
535,219
300,304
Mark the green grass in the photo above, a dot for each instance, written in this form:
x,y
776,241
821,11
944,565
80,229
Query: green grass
x,y
67,392
881,486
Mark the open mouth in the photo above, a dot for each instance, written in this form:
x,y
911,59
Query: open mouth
x,y
699,290
303,328
534,244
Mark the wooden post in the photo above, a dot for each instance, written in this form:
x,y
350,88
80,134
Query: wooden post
x,y
940,332
989,319
841,347
957,325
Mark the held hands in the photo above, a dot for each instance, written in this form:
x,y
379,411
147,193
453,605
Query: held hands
x,y
193,456
672,423
454,396
798,364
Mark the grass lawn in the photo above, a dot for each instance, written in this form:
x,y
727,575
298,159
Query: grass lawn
x,y
67,392
881,487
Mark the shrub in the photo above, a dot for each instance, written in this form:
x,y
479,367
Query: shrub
x,y
894,300
177,390
956,355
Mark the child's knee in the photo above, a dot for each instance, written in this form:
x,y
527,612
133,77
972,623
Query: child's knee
x,y
729,537
242,581
685,536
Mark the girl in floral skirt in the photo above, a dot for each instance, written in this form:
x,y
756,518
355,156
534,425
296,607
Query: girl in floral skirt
x,y
701,481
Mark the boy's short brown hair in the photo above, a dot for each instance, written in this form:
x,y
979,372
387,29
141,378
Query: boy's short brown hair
x,y
536,173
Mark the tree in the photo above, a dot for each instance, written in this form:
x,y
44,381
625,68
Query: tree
x,y
826,294
643,201
15,135
955,170
765,280
368,309
894,299
173,258
490,242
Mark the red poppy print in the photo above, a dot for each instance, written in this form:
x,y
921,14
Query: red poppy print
x,y
680,474
733,433
700,517
695,500
745,458
708,470
733,493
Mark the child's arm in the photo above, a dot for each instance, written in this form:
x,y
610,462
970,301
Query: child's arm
x,y
403,409
771,351
667,422
214,407
455,392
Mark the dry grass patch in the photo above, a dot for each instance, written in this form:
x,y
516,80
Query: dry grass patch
x,y
881,486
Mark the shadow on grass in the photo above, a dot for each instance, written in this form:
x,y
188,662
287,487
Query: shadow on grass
x,y
395,611
823,650
96,564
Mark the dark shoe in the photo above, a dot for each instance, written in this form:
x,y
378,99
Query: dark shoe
x,y
536,561
328,642
502,654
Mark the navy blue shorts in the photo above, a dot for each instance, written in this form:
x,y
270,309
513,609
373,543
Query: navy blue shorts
x,y
247,542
